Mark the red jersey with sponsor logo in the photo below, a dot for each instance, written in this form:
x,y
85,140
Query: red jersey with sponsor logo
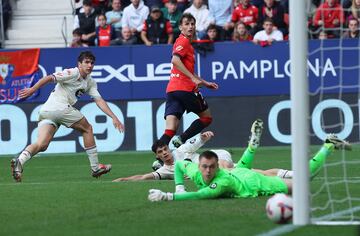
x,y
178,81
328,14
104,36
247,15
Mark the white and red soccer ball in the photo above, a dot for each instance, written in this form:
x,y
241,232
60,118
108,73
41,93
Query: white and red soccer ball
x,y
279,208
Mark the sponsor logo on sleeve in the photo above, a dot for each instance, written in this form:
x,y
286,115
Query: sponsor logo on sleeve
x,y
213,186
179,48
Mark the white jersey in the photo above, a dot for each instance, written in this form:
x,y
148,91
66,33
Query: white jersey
x,y
70,86
276,35
164,172
188,151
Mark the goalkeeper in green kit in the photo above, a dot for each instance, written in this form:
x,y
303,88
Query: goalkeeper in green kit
x,y
240,182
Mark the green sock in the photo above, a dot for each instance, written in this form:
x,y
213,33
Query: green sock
x,y
247,158
319,159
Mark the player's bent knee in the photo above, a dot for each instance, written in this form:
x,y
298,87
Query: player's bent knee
x,y
87,126
89,129
84,127
206,120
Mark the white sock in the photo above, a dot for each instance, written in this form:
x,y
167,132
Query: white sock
x,y
24,157
285,174
93,158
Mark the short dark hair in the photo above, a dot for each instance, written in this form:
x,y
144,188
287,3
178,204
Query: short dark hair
x,y
102,14
209,155
211,27
86,55
158,144
77,31
268,19
187,16
173,2
87,3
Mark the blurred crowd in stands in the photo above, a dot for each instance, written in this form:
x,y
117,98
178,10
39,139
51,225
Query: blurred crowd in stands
x,y
124,22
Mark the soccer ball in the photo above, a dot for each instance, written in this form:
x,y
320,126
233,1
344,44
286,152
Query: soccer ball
x,y
279,208
156,165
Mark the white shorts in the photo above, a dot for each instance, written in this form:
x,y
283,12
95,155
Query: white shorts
x,y
66,117
223,155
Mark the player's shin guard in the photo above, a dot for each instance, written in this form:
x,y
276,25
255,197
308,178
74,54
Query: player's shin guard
x,y
196,127
317,162
93,157
247,159
167,136
24,157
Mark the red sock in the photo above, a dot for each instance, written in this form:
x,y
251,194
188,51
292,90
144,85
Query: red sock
x,y
167,136
196,127
206,120
170,132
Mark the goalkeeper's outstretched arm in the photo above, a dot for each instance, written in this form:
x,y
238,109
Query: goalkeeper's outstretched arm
x,y
185,168
156,195
180,169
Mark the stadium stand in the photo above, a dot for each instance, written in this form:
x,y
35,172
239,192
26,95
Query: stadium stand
x,y
38,23
49,24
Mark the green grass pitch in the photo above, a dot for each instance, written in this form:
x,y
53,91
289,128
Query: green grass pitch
x,y
59,197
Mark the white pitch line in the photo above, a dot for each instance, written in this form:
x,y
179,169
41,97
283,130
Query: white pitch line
x,y
280,230
51,183
289,228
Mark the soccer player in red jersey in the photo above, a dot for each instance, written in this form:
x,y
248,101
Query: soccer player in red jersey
x,y
182,92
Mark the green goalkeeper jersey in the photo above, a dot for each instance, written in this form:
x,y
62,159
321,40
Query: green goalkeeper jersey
x,y
237,183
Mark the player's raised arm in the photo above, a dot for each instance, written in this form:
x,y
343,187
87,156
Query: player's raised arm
x,y
27,92
206,136
196,143
101,103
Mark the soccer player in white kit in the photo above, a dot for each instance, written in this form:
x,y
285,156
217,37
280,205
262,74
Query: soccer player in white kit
x,y
58,110
186,151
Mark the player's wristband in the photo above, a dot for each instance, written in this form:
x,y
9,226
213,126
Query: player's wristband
x,y
180,188
169,196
